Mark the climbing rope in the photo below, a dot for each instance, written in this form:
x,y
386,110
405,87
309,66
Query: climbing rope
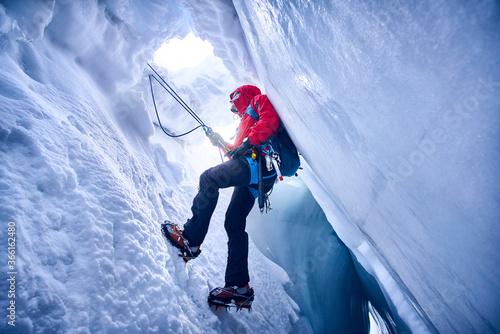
x,y
176,97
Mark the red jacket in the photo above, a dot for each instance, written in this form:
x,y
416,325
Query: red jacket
x,y
256,131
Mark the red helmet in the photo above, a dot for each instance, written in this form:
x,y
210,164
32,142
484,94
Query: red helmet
x,y
242,96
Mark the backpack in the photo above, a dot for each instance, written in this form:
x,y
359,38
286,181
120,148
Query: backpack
x,y
290,160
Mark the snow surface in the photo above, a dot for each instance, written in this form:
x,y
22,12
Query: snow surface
x,y
392,105
87,182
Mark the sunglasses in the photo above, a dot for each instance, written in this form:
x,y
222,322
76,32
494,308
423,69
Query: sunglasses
x,y
234,98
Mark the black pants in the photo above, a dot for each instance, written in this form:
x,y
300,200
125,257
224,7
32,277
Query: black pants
x,y
234,173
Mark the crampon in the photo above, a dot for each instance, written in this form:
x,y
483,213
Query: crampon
x,y
232,297
174,235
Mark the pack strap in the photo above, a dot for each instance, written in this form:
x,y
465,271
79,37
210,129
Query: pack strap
x,y
250,111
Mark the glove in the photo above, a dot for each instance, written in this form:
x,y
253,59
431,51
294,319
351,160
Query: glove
x,y
216,139
240,150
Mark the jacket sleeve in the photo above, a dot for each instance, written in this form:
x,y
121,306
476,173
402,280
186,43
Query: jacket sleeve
x,y
268,120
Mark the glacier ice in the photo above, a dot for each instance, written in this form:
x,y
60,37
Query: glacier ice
x,y
392,105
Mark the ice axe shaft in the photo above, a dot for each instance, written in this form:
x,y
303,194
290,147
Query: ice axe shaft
x,y
260,185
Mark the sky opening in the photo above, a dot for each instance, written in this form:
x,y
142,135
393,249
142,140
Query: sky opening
x,y
176,54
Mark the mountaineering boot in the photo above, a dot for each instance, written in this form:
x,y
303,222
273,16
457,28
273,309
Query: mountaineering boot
x,y
232,296
173,234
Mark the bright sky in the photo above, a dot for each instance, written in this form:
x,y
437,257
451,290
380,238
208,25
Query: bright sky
x,y
177,54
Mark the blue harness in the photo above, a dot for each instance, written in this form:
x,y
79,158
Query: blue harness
x,y
253,164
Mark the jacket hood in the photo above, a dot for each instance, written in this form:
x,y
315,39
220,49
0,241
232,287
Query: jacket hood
x,y
247,93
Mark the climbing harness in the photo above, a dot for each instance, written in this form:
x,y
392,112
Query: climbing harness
x,y
256,157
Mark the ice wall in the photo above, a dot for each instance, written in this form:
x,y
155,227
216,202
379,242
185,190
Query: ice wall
x,y
297,236
395,108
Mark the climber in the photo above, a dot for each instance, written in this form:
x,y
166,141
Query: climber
x,y
258,121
